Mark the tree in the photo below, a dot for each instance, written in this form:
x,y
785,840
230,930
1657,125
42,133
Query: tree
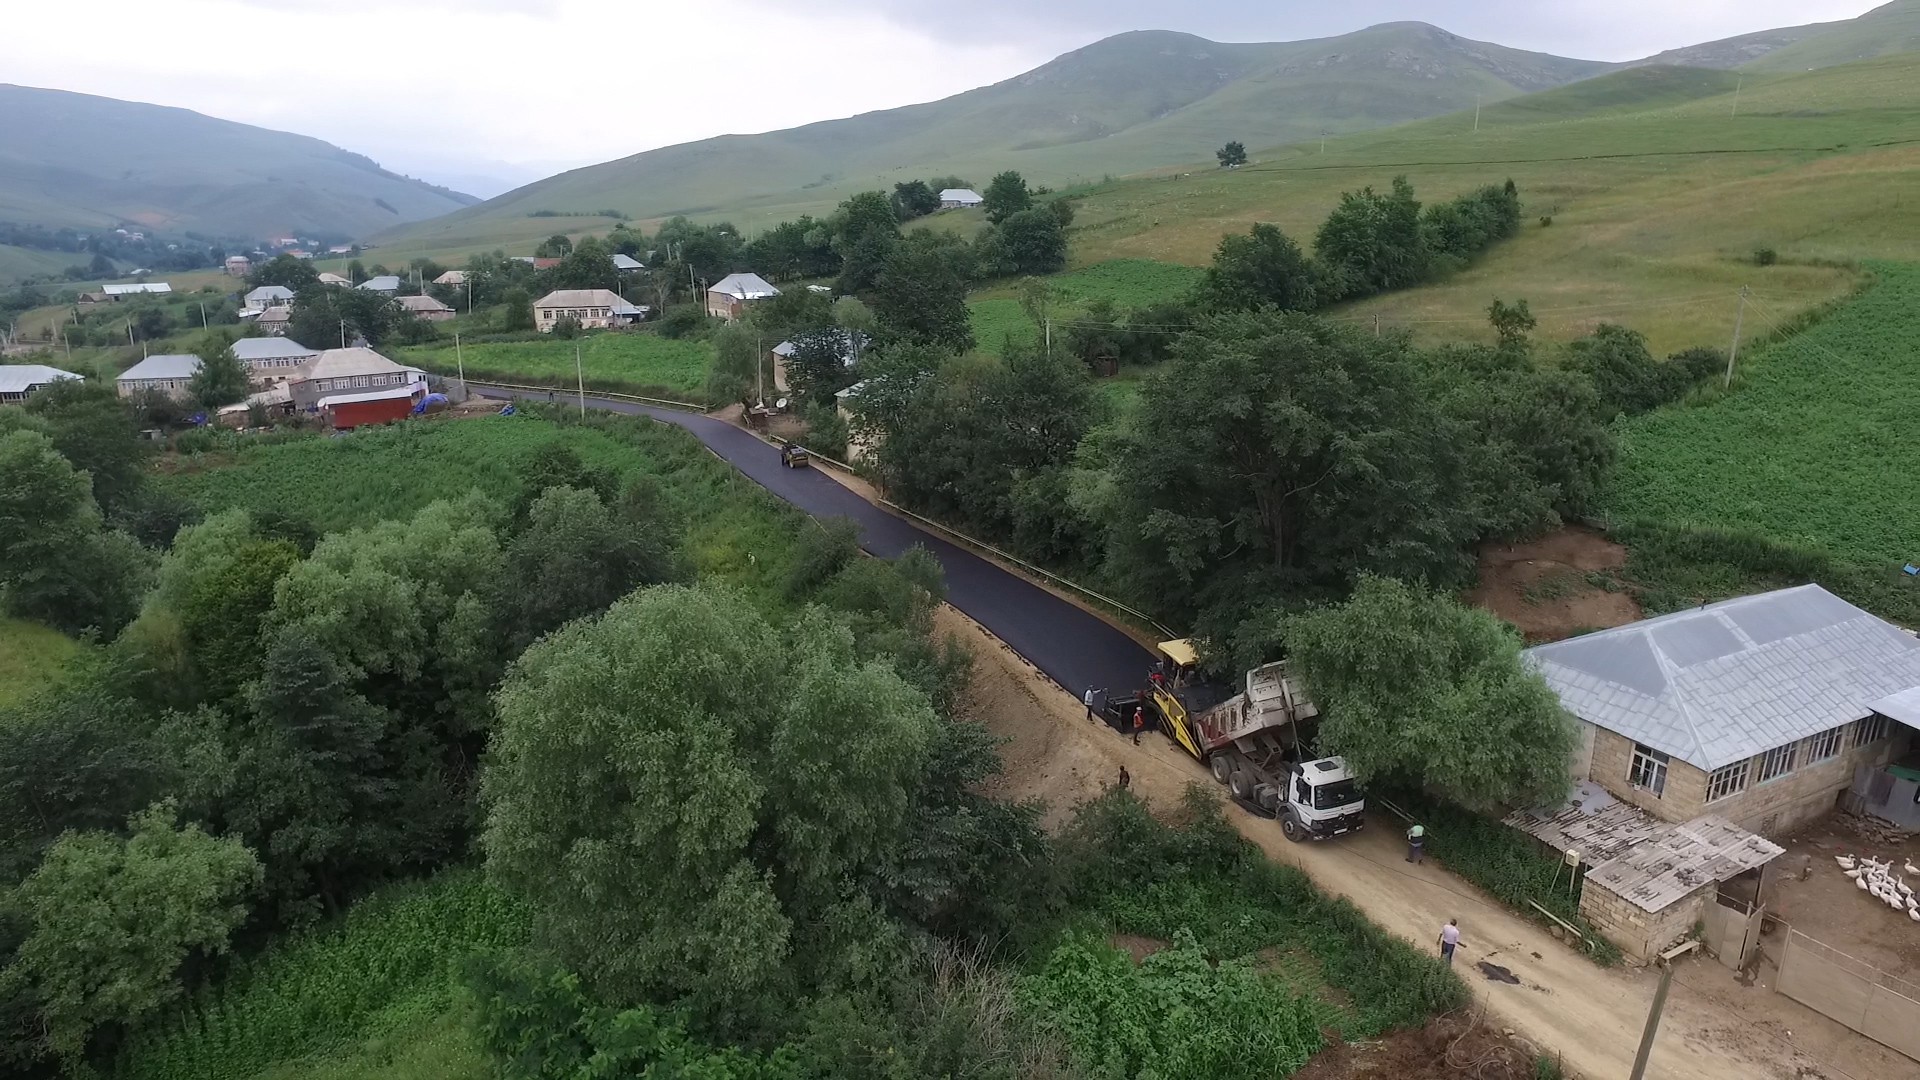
x,y
820,363
1374,243
727,783
1032,242
111,921
516,310
1006,196
1264,268
323,316
1304,452
588,266
557,246
222,378
1231,155
1416,688
576,556
97,432
915,198
286,271
57,565
921,294
1512,323
739,366
866,228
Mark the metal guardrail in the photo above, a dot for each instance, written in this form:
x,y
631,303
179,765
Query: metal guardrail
x,y
561,392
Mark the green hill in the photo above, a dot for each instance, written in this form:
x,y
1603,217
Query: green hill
x,y
1132,102
1888,29
74,160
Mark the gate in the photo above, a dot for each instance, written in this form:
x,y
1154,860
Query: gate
x,y
1883,1007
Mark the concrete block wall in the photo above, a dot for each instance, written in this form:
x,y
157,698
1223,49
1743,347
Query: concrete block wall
x,y
1642,934
1613,763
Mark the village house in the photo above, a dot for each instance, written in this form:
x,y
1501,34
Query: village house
x,y
340,249
272,360
89,299
591,308
426,308
268,296
731,295
848,343
386,284
537,262
454,278
627,264
959,198
19,380
169,374
1757,710
238,266
335,279
274,320
347,371
155,288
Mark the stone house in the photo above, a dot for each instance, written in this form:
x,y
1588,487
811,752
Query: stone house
x,y
347,371
272,360
730,297
269,296
168,373
426,308
591,308
18,381
1756,710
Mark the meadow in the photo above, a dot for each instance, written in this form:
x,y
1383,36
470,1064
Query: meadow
x,y
1125,283
623,362
1658,197
31,658
1814,448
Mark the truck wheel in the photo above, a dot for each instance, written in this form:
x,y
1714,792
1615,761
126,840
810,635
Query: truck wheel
x,y
1241,784
1292,828
1222,765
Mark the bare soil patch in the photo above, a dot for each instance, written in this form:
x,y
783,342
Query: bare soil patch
x,y
1548,587
1829,908
1453,1047
1136,946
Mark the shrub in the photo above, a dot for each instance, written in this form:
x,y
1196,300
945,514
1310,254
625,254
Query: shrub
x,y
685,321
1765,256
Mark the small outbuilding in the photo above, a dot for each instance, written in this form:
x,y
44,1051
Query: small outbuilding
x,y
348,411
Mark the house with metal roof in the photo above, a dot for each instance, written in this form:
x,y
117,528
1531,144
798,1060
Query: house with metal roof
x,y
385,283
347,371
627,264
730,296
19,380
426,308
154,287
272,360
959,198
1756,710
169,374
848,344
591,308
335,279
268,296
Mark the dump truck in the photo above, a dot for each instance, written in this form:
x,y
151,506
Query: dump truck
x,y
1251,737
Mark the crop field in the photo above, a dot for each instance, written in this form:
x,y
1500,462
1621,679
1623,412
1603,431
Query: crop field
x,y
634,363
373,988
1815,448
31,657
1658,197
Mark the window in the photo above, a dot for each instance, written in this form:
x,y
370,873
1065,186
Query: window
x,y
1649,769
1872,729
1824,745
1727,780
360,380
1777,762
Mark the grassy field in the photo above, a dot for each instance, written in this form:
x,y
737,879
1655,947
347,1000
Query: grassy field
x,y
1658,197
31,657
1815,448
634,363
997,314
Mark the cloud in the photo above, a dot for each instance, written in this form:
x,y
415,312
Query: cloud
x,y
443,86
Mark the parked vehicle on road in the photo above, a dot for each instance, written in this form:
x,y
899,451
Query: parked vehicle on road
x,y
1251,737
795,456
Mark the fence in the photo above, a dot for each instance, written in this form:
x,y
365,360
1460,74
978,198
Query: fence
x,y
1883,1007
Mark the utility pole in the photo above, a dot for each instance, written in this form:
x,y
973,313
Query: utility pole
x,y
1476,113
203,315
1737,87
1738,320
580,373
1376,324
759,366
460,359
1049,338
343,333
1653,1021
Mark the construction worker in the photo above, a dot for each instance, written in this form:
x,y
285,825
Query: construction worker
x,y
1416,843
1139,723
1449,940
1089,700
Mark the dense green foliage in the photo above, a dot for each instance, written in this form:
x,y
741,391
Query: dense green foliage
x,y
630,363
1403,675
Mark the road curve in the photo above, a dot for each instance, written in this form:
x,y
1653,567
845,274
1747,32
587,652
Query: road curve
x,y
1072,647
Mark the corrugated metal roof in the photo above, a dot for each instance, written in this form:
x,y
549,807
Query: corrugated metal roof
x,y
167,366
388,394
1903,706
346,363
745,287
131,290
1725,682
422,303
270,292
20,378
271,348
961,195
627,262
1591,822
586,298
1667,867
333,279
384,283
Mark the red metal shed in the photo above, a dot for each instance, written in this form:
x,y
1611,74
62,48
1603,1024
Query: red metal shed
x,y
373,407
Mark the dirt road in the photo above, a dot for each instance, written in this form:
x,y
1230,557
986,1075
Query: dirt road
x,y
1592,1017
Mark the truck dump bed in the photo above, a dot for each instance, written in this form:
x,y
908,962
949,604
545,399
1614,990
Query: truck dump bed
x,y
1270,700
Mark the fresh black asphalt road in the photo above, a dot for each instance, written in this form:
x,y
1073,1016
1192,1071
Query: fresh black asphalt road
x,y
1073,648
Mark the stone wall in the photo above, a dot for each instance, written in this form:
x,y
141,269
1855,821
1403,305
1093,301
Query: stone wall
x,y
1642,934
1612,764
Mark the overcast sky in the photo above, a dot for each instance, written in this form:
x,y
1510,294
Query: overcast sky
x,y
461,90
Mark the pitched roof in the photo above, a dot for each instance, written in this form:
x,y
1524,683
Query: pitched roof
x,y
347,363
422,303
452,277
387,394
167,366
333,279
627,262
270,292
1724,682
960,195
129,290
850,342
1667,867
20,378
586,298
384,283
744,287
270,348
